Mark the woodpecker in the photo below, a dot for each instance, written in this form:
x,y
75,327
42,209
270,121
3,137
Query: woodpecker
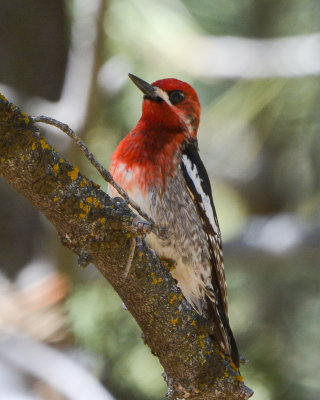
x,y
159,166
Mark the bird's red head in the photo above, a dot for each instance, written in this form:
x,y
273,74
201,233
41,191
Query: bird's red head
x,y
170,104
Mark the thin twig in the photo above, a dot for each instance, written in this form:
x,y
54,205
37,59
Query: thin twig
x,y
133,243
103,172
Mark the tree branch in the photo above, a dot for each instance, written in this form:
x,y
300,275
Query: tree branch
x,y
100,229
103,172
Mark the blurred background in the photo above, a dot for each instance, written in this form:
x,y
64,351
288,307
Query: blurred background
x,y
256,67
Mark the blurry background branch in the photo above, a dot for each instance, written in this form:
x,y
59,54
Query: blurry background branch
x,y
71,101
235,57
53,367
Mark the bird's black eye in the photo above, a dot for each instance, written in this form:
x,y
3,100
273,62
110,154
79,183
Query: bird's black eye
x,y
176,96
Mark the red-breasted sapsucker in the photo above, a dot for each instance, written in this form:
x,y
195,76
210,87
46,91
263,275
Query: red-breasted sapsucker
x,y
159,166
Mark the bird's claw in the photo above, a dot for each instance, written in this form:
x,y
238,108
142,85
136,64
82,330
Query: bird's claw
x,y
142,227
160,232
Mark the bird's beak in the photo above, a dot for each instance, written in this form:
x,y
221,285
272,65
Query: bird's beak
x,y
144,86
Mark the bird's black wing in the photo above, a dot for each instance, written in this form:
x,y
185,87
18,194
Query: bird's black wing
x,y
198,184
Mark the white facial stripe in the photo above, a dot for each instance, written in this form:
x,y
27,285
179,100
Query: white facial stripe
x,y
163,95
206,203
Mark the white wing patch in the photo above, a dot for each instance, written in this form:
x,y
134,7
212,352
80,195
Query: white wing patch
x,y
192,171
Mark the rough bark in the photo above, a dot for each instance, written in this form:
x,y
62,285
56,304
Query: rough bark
x,y
97,228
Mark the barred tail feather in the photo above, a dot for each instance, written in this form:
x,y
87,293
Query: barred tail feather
x,y
222,332
234,349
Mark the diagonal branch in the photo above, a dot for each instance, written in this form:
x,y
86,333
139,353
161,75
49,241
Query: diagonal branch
x,y
104,173
100,229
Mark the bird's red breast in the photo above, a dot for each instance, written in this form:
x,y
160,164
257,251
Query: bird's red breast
x,y
149,151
